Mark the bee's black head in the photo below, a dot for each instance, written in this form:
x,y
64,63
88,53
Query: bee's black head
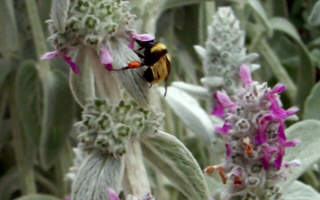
x,y
146,44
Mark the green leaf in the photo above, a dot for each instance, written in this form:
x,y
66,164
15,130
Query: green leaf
x,y
307,132
283,25
8,32
314,18
314,43
58,116
5,69
82,85
59,14
190,112
277,68
300,191
96,174
315,55
311,106
8,184
176,162
29,100
306,76
256,6
38,197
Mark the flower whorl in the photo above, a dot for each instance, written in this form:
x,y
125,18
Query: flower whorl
x,y
92,22
225,52
109,127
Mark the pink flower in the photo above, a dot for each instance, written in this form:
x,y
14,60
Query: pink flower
x,y
106,59
112,195
245,75
268,152
222,102
53,54
281,151
293,163
224,129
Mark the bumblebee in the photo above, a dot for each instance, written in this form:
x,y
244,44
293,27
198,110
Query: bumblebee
x,y
155,56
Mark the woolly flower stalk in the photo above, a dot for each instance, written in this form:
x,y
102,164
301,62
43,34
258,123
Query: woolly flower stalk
x,y
255,140
101,31
224,52
90,23
105,132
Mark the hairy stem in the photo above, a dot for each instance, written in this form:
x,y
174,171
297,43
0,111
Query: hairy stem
x,y
135,179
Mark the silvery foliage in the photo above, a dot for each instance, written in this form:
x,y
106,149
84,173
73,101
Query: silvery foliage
x,y
224,52
79,157
104,133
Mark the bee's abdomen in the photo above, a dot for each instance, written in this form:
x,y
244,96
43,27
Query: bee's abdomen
x,y
148,75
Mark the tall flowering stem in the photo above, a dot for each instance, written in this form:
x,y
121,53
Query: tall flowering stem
x,y
255,140
106,155
224,52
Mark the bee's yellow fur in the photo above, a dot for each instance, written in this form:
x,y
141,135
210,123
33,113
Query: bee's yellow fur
x,y
160,69
158,47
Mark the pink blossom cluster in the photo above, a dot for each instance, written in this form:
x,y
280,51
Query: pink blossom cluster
x,y
254,133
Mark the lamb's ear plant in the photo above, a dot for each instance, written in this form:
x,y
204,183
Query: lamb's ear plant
x,y
247,136
100,34
232,142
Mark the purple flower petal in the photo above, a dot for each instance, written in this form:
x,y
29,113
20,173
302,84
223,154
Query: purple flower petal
x,y
228,150
278,88
279,158
263,122
131,44
292,111
281,151
268,151
275,107
222,101
112,195
293,163
292,143
75,68
106,59
224,129
143,37
108,67
281,133
50,55
245,75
